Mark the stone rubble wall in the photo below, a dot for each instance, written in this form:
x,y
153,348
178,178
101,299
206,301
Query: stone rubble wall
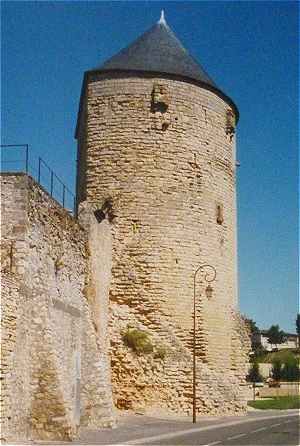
x,y
159,151
148,381
55,374
14,375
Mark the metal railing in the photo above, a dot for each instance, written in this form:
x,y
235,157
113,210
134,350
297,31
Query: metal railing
x,y
39,170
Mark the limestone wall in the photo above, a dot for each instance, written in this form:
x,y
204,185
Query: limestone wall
x,y
156,157
56,375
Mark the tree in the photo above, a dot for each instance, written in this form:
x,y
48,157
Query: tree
x,y
275,335
277,370
254,337
252,326
290,370
298,328
254,375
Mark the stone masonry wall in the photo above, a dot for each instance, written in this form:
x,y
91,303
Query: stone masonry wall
x,y
55,374
157,158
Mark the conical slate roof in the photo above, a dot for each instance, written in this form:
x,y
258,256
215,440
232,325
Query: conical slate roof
x,y
158,50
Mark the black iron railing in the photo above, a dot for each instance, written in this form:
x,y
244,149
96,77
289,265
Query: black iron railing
x,y
18,158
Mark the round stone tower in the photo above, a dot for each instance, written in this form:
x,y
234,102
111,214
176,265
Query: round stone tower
x,y
156,159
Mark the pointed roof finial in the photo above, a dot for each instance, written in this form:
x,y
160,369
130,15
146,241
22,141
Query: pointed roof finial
x,y
162,20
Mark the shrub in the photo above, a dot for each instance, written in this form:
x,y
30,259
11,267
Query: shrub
x,y
290,370
138,340
277,370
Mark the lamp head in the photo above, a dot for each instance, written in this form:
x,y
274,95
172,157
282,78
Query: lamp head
x,y
209,291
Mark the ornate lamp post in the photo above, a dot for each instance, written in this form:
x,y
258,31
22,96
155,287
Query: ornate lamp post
x,y
209,276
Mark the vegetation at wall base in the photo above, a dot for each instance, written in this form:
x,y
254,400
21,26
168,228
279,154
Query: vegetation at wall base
x,y
279,403
137,340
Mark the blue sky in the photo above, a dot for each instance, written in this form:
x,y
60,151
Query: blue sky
x,y
250,49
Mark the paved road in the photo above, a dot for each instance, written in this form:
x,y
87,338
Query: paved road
x,y
280,431
259,428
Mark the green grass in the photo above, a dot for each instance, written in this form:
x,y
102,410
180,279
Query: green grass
x,y
282,355
281,403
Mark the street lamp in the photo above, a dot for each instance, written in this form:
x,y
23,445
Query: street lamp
x,y
209,276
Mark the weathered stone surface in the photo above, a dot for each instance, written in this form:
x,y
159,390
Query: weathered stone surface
x,y
156,195
160,152
54,370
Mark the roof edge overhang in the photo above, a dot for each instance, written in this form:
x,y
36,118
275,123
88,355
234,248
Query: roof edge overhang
x,y
150,74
